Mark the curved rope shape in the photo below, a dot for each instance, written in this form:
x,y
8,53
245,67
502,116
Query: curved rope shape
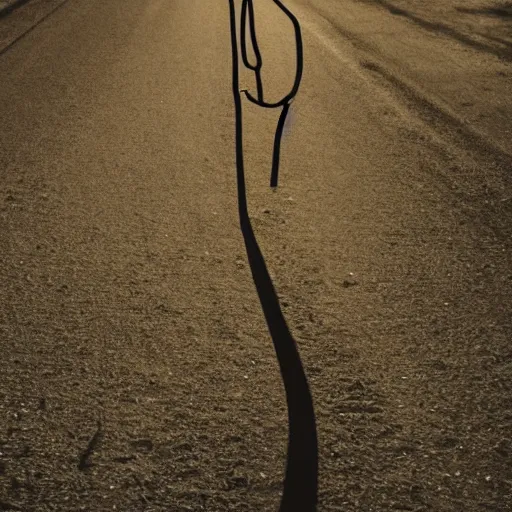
x,y
248,13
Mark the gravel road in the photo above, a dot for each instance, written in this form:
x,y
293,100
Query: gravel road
x,y
137,371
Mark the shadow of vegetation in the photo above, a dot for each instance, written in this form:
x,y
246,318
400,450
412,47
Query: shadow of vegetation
x,y
301,479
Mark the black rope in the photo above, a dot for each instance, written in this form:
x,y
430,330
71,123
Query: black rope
x,y
301,479
248,12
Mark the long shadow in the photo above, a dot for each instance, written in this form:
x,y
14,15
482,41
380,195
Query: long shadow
x,y
301,479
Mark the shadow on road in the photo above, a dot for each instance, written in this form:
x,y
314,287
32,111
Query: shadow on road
x,y
301,480
12,6
9,10
502,11
441,28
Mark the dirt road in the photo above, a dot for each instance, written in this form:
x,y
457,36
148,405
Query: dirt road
x,y
137,372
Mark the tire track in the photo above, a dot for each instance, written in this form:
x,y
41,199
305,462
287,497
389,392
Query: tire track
x,y
12,7
32,27
450,132
492,209
428,111
440,119
441,28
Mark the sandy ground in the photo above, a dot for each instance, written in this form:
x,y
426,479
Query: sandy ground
x,y
137,372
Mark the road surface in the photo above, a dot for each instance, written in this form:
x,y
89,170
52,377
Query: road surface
x,y
137,372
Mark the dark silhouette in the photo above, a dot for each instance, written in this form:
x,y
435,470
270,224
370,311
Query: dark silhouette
x,y
301,480
248,8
